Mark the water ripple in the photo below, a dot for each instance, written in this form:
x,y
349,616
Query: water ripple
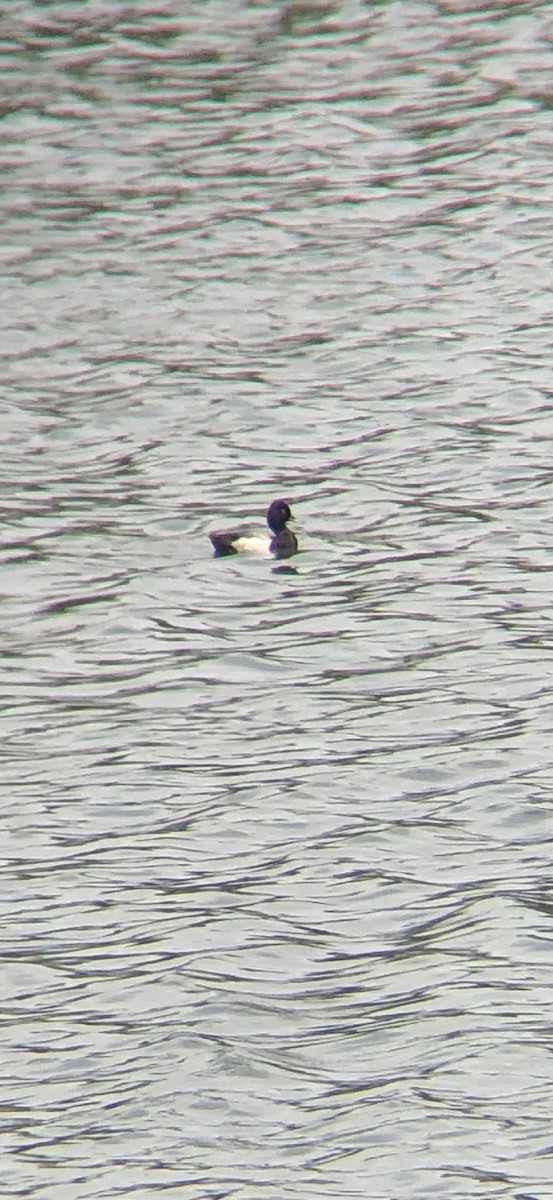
x,y
275,875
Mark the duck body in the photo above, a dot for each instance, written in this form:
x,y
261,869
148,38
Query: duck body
x,y
282,544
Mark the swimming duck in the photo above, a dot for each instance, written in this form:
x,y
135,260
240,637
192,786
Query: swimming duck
x,y
282,544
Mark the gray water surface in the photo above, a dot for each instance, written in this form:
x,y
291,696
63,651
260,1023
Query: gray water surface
x,y
276,883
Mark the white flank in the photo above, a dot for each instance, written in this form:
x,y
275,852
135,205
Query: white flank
x,y
251,545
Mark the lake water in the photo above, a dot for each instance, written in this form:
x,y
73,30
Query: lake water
x,y
276,854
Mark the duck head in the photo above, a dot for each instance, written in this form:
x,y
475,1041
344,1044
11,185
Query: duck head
x,y
278,515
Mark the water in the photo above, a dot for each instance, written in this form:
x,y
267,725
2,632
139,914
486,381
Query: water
x,y
276,852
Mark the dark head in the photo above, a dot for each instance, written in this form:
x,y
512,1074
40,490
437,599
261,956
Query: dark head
x,y
278,514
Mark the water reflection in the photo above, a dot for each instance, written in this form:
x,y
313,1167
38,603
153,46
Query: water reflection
x,y
276,837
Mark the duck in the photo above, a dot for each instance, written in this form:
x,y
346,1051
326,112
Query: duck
x,y
282,544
